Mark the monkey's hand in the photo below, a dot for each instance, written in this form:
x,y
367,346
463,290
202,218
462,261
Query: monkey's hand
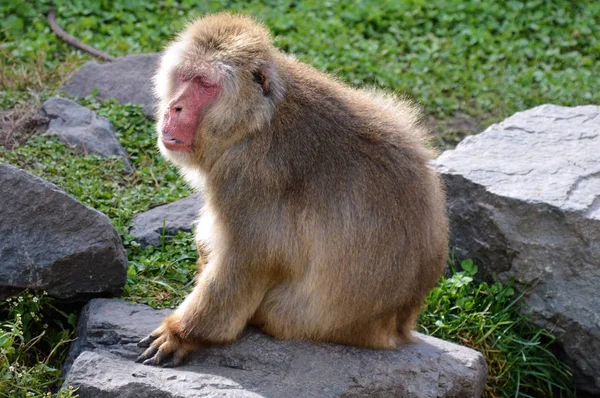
x,y
165,347
226,295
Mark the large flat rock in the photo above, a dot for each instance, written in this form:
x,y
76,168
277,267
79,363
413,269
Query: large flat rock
x,y
101,363
51,241
127,79
524,201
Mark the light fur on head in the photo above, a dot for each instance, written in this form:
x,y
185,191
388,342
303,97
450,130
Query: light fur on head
x,y
227,49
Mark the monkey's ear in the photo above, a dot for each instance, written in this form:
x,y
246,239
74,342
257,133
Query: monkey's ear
x,y
262,79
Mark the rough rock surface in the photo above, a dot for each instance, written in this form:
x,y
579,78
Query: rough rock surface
x,y
101,363
78,126
170,219
127,79
51,241
524,200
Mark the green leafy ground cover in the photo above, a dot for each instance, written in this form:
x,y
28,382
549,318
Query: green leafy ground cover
x,y
467,62
479,58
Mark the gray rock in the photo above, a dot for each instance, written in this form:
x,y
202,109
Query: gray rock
x,y
101,363
50,241
127,79
524,201
170,219
76,125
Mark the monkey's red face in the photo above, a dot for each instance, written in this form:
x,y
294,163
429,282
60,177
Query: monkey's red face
x,y
184,113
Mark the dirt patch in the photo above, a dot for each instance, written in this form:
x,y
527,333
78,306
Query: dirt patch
x,y
25,120
19,124
449,132
34,74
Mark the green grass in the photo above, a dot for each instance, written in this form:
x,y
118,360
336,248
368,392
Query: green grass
x,y
467,62
485,59
34,335
486,317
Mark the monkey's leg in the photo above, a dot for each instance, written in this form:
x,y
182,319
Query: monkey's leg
x,y
226,295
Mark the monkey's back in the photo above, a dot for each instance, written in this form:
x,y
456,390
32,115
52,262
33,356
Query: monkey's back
x,y
364,213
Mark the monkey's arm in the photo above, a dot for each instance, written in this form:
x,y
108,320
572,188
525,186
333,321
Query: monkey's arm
x,y
227,293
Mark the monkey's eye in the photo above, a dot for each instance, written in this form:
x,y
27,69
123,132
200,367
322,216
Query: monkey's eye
x,y
203,82
259,78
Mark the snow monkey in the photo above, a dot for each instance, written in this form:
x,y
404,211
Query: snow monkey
x,y
322,218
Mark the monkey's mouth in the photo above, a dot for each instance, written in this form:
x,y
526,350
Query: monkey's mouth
x,y
173,144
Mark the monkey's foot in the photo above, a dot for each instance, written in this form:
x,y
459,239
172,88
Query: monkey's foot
x,y
164,348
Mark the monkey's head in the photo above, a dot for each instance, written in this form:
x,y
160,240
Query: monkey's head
x,y
217,82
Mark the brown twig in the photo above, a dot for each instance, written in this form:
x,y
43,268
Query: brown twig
x,y
67,38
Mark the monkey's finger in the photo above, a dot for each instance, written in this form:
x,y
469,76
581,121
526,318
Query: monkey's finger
x,y
156,333
164,351
151,351
157,359
177,358
146,341
147,354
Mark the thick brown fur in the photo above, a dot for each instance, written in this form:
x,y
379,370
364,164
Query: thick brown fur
x,y
323,219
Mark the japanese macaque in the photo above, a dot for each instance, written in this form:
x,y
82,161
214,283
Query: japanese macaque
x,y
322,218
